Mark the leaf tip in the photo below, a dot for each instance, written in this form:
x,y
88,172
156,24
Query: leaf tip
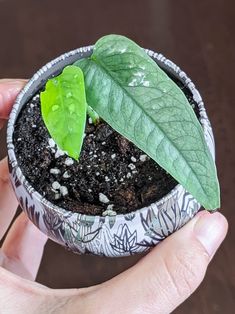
x,y
214,203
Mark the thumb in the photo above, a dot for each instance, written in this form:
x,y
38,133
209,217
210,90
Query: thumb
x,y
169,273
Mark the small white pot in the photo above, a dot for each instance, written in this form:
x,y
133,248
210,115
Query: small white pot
x,y
118,235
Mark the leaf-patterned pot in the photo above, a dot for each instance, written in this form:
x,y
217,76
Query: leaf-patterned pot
x,y
118,235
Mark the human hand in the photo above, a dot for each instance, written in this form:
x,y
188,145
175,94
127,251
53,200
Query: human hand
x,y
157,284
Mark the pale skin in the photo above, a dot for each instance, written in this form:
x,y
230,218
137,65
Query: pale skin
x,y
161,281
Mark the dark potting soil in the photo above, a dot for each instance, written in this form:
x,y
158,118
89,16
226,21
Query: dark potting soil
x,y
112,174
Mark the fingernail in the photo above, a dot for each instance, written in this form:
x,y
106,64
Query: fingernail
x,y
210,230
11,86
8,91
8,87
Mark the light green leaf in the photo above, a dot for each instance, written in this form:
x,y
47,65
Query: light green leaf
x,y
131,93
63,106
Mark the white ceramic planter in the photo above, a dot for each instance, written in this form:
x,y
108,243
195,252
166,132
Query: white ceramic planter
x,y
118,235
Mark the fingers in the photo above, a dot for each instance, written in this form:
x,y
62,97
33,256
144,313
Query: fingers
x,y
8,202
8,92
23,248
169,273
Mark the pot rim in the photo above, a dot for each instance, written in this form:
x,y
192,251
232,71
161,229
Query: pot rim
x,y
165,64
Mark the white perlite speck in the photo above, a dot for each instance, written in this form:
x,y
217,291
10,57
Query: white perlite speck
x,y
97,173
143,157
69,161
107,179
57,196
90,121
133,159
131,166
110,206
66,175
63,190
103,198
128,175
51,142
109,212
113,156
55,171
55,185
59,153
36,97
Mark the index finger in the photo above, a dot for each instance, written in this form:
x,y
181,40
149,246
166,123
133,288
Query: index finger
x,y
9,89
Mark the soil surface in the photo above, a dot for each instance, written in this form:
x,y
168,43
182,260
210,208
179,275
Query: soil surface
x,y
112,174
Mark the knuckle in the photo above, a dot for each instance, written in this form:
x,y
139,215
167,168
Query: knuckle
x,y
177,275
186,270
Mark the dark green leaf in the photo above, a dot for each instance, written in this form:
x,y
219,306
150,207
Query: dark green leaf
x,y
63,106
131,93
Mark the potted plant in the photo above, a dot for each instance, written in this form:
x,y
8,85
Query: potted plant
x,y
110,149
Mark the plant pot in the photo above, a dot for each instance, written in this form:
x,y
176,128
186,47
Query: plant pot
x,y
119,235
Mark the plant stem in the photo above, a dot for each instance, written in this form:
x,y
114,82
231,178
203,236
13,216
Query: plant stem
x,y
93,115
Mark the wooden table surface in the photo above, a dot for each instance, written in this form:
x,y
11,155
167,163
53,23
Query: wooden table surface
x,y
198,36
